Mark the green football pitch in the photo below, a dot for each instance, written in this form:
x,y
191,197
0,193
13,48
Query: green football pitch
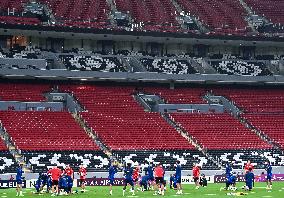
x,y
213,190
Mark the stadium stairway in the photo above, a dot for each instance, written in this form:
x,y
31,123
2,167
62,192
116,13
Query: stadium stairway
x,y
237,113
221,155
113,10
260,133
136,65
167,117
179,10
250,12
16,153
83,124
187,136
79,119
200,26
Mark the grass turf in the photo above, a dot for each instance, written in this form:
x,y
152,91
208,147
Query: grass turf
x,y
213,190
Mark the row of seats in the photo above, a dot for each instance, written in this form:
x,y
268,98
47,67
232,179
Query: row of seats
x,y
7,161
227,16
219,131
167,158
270,124
168,66
124,127
178,95
23,92
17,5
255,100
271,9
151,13
16,20
239,67
37,130
79,10
92,63
122,124
257,157
40,161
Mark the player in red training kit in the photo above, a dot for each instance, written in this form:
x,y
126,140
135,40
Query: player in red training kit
x,y
196,174
55,174
82,172
248,166
135,175
159,177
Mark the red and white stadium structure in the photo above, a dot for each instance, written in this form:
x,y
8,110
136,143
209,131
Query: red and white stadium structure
x,y
89,81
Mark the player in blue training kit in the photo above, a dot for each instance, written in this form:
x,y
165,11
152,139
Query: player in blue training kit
x,y
249,177
63,184
69,181
173,183
144,183
178,177
228,170
231,182
150,173
128,172
111,172
38,183
268,169
49,183
46,181
19,180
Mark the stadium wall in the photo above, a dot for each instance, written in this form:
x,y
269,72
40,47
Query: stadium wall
x,y
21,62
138,77
204,108
25,106
28,176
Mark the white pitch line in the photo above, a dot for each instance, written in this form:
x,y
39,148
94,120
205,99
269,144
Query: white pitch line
x,y
211,194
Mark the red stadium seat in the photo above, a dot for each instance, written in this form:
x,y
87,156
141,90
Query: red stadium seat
x,y
3,146
271,9
255,100
270,124
222,17
219,131
43,131
124,125
23,92
157,15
